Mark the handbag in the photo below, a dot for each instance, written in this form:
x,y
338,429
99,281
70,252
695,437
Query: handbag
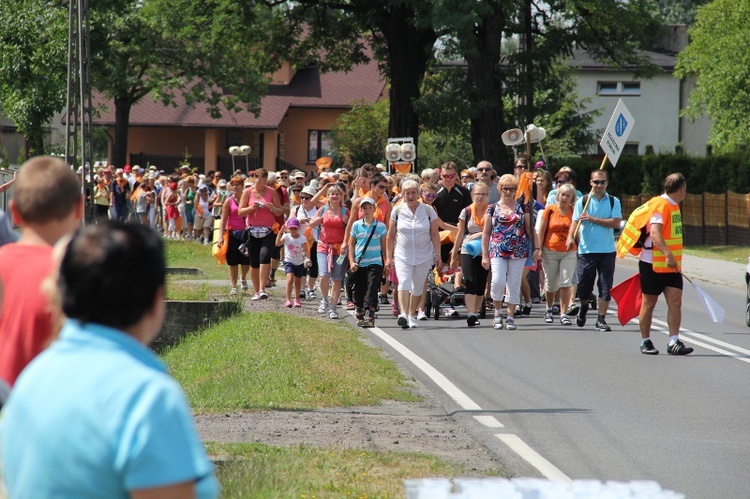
x,y
219,250
258,232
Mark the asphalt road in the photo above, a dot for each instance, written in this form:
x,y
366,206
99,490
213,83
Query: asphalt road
x,y
574,403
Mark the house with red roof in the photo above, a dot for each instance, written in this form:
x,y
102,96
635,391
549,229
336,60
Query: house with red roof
x,y
291,131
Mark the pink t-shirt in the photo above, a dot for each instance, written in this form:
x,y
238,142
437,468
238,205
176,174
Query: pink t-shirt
x,y
333,229
262,217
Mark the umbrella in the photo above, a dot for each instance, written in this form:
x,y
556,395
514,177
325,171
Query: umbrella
x,y
627,294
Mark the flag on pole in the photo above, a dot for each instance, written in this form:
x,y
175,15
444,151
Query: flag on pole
x,y
713,308
627,294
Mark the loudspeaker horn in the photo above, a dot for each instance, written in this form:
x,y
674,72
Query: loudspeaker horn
x,y
393,152
513,137
408,152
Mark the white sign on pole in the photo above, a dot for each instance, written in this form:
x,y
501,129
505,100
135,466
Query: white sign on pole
x,y
617,132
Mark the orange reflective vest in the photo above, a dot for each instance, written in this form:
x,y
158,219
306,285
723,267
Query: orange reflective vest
x,y
671,230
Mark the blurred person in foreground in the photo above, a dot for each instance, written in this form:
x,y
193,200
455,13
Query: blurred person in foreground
x,y
96,414
47,205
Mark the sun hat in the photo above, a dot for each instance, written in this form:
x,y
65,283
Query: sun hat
x,y
309,190
292,223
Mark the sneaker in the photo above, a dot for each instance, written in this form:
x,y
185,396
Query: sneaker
x,y
243,285
382,299
555,308
648,348
451,312
548,317
271,283
412,322
602,325
369,321
361,322
565,320
421,316
536,300
497,322
679,348
581,316
297,304
323,307
573,309
526,309
233,292
302,295
510,324
471,320
288,304
206,242
255,297
350,305
263,294
311,295
402,321
333,314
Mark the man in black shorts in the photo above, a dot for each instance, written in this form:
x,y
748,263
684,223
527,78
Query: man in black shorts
x,y
661,263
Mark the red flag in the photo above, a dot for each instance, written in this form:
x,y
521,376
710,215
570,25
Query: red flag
x,y
627,294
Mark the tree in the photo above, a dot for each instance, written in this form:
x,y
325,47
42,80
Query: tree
x,y
216,54
32,67
719,57
360,135
676,11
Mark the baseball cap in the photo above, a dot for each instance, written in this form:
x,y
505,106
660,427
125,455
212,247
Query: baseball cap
x,y
126,168
299,174
292,222
367,200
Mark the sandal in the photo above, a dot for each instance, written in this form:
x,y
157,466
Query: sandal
x,y
565,320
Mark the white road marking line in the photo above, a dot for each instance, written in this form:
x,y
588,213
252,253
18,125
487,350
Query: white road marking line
x,y
514,442
489,421
520,447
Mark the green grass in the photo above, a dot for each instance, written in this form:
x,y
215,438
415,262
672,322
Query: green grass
x,y
188,291
729,253
261,471
193,255
261,361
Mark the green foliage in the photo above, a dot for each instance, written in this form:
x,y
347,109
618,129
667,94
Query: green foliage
x,y
360,135
676,11
435,149
33,61
645,174
719,57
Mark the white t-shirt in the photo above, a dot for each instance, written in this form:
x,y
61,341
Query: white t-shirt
x,y
413,239
294,251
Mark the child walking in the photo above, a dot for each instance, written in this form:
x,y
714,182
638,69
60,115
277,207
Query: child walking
x,y
296,258
366,243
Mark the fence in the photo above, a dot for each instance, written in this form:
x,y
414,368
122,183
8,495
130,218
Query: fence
x,y
712,219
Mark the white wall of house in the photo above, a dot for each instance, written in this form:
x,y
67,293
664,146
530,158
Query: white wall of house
x,y
655,105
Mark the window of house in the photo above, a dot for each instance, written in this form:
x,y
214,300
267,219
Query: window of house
x,y
630,149
607,88
234,137
318,144
618,88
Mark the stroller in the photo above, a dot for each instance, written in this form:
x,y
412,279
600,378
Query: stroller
x,y
442,295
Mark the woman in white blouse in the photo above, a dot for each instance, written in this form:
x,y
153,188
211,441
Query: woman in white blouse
x,y
413,246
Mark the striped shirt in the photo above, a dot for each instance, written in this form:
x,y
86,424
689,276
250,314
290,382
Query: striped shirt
x,y
374,253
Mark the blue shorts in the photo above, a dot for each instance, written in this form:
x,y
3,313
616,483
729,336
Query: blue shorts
x,y
295,270
337,273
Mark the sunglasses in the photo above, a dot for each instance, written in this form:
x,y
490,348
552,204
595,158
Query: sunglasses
x,y
599,182
381,186
429,195
452,175
522,167
509,189
305,197
484,169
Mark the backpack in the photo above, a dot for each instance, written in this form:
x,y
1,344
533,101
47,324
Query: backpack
x,y
618,230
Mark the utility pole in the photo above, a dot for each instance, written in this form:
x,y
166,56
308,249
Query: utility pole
x,y
78,117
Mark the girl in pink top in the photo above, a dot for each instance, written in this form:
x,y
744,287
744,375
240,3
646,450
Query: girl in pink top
x,y
232,221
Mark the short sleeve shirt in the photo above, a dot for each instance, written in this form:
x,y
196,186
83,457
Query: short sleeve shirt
x,y
595,238
294,251
474,225
96,415
508,238
360,231
449,203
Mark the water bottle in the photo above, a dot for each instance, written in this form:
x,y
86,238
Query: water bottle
x,y
341,259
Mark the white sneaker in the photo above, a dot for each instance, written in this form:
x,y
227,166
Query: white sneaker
x,y
412,322
323,307
421,316
333,314
497,322
451,312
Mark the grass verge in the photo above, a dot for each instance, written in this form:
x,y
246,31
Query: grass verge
x,y
729,253
261,471
280,361
193,255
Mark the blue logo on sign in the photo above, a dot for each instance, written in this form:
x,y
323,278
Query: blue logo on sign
x,y
621,125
